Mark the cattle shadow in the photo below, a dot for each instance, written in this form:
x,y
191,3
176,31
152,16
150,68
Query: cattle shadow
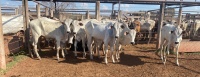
x,y
71,59
130,60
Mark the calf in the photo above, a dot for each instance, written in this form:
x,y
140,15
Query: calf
x,y
125,37
171,36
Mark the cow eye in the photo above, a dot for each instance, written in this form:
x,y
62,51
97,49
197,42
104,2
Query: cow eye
x,y
172,31
111,27
81,24
122,26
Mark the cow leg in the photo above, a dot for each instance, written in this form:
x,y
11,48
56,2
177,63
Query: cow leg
x,y
150,36
161,49
177,55
118,52
63,47
39,45
35,41
102,46
83,45
75,46
106,52
97,49
112,52
89,45
58,48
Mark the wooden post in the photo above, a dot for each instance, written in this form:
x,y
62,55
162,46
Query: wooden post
x,y
26,23
38,10
112,13
51,13
82,17
2,50
16,11
119,11
20,9
97,10
180,15
87,15
46,12
119,14
162,8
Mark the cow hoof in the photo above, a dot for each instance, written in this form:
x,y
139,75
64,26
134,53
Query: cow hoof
x,y
177,64
39,58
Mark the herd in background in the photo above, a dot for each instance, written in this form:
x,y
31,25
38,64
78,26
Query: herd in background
x,y
110,33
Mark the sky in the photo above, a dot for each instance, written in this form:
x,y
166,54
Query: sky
x,y
105,6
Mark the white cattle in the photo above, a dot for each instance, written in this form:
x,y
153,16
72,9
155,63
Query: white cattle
x,y
171,36
195,26
147,25
102,32
125,37
79,29
50,29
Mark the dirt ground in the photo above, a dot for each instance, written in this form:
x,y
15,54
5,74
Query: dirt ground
x,y
136,61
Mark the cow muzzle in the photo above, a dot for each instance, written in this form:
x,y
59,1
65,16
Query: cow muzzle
x,y
74,32
176,42
132,43
116,36
68,31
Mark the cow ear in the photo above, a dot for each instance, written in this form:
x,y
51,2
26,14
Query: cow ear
x,y
63,23
122,26
81,24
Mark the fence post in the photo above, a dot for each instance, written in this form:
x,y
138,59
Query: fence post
x,y
180,15
162,8
38,10
16,11
2,50
87,15
51,13
26,22
20,9
46,12
97,10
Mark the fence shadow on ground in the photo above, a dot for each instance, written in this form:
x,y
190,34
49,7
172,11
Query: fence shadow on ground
x,y
184,67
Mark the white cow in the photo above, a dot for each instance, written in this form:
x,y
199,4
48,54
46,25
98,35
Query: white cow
x,y
171,36
102,32
147,25
50,29
78,28
195,26
125,37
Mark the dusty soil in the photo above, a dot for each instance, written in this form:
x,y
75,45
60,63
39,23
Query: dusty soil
x,y
136,61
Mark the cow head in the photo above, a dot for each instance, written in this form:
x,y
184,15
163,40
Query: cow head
x,y
129,36
67,24
76,26
132,34
177,35
115,27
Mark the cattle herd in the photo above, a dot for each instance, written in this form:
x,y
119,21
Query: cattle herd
x,y
106,32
